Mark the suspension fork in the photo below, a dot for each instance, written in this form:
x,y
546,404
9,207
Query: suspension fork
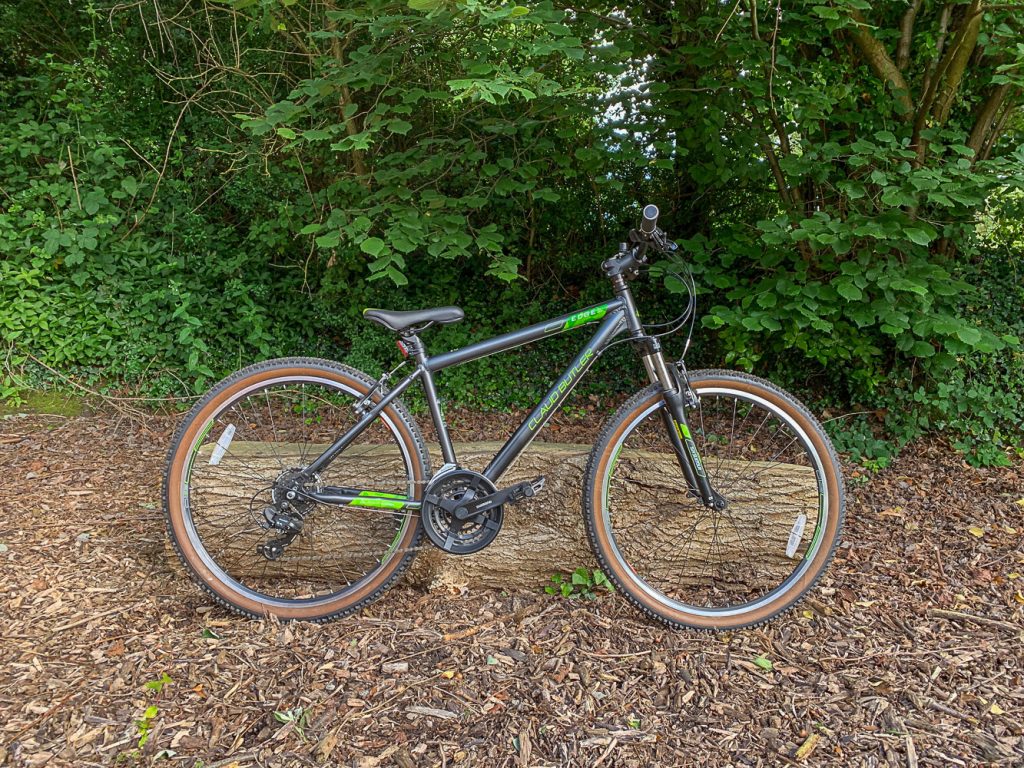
x,y
678,398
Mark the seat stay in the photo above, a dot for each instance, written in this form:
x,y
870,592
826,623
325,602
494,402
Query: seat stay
x,y
339,445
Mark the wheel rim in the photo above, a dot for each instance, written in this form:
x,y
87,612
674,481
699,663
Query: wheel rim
x,y
340,549
719,564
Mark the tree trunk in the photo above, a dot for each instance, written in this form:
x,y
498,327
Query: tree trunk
x,y
540,536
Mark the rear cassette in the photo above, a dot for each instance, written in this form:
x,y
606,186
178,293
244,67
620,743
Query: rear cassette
x,y
443,498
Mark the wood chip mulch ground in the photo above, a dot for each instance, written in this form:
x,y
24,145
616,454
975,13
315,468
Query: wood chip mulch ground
x,y
910,653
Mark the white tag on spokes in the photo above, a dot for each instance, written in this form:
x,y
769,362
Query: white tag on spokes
x,y
222,445
794,535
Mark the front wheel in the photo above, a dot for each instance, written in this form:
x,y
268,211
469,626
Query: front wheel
x,y
688,565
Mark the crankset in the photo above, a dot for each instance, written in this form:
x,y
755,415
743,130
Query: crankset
x,y
463,511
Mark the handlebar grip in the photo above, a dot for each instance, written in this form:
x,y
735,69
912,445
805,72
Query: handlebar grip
x,y
650,222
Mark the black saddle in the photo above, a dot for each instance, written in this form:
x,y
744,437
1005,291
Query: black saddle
x,y
401,321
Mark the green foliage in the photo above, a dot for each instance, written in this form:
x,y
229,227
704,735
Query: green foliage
x,y
144,725
86,247
580,583
297,715
157,686
168,217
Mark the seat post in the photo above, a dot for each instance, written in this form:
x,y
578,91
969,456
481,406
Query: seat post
x,y
417,349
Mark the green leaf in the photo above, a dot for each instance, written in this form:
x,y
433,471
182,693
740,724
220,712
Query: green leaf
x,y
373,246
968,335
157,686
518,10
764,663
922,349
903,284
918,236
401,127
330,240
425,5
286,133
848,290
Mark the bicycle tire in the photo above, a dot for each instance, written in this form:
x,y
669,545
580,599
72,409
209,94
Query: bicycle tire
x,y
191,534
757,526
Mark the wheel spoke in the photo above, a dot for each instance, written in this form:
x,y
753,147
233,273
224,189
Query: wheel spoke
x,y
327,551
695,559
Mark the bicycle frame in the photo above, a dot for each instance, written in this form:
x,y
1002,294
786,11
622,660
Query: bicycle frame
x,y
616,316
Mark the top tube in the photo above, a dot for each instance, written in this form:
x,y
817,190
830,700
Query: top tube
x,y
515,339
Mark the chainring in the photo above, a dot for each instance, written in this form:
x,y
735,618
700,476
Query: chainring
x,y
460,537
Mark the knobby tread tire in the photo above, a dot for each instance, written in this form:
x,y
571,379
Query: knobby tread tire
x,y
591,484
396,409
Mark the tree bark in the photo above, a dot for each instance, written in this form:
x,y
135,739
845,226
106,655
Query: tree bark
x,y
906,35
986,117
541,536
883,66
351,128
958,55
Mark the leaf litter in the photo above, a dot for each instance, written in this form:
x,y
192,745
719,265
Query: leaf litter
x,y
909,652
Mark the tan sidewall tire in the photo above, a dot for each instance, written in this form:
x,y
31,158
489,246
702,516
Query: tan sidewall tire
x,y
600,536
178,460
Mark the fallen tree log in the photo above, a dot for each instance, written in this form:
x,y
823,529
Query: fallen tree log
x,y
540,536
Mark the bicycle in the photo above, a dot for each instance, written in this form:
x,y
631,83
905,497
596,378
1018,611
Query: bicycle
x,y
302,488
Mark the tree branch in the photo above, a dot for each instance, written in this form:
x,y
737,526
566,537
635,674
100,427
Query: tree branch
x,y
958,56
944,80
986,116
1008,109
351,129
906,33
940,42
883,66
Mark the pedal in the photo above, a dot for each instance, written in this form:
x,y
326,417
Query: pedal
x,y
525,490
509,495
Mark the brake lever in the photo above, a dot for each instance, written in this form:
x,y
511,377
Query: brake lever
x,y
661,242
656,239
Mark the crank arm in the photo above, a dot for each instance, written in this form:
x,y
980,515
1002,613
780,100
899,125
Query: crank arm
x,y
509,495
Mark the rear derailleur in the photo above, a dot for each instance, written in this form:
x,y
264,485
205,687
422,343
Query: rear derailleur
x,y
288,522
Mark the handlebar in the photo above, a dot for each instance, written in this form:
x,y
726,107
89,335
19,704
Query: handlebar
x,y
649,235
628,260
650,221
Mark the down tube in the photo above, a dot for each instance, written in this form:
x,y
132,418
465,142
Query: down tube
x,y
613,325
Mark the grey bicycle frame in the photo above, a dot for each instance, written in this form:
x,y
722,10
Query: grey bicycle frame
x,y
613,316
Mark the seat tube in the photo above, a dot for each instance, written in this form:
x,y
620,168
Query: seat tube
x,y
447,449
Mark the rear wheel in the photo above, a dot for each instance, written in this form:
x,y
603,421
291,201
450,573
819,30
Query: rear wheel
x,y
231,461
688,565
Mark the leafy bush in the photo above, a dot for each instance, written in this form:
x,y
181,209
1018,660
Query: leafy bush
x,y
168,218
